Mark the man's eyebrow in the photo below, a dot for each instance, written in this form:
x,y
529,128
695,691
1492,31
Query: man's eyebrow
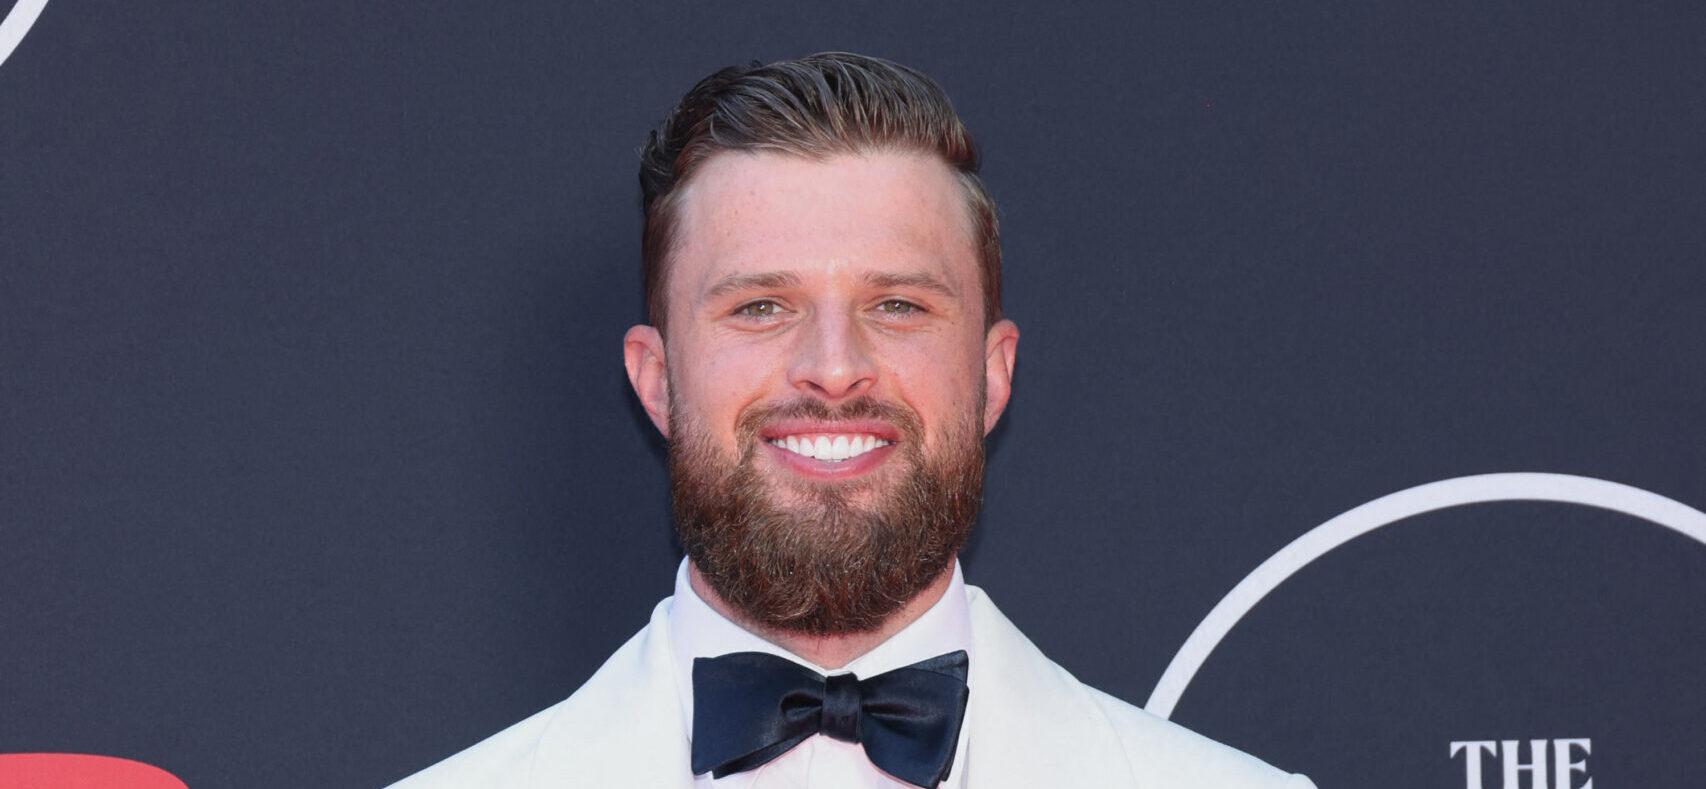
x,y
735,283
922,281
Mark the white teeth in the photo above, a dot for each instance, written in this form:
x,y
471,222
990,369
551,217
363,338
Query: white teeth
x,y
833,448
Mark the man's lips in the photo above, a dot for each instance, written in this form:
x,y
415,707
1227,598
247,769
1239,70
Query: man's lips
x,y
830,450
782,428
829,469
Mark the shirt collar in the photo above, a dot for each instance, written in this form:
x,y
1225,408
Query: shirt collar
x,y
697,630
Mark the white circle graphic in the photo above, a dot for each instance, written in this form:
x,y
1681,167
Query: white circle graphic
x,y
1315,543
17,24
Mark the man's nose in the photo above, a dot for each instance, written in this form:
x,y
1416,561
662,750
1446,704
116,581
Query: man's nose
x,y
833,358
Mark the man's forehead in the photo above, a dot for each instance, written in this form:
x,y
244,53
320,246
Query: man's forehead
x,y
857,215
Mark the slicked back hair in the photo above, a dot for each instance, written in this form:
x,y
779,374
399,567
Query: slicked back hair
x,y
815,107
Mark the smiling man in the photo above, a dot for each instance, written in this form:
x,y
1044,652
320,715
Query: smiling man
x,y
825,356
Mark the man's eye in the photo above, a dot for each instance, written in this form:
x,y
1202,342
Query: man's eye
x,y
759,309
898,307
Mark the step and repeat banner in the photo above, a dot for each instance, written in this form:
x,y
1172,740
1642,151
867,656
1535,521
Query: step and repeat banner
x,y
1358,420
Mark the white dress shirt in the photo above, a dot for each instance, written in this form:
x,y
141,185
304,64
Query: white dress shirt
x,y
820,762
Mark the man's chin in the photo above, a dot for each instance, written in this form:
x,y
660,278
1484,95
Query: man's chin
x,y
790,490
822,546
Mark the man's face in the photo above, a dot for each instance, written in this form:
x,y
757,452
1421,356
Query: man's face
x,y
826,383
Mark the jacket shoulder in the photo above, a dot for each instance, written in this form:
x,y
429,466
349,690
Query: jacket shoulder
x,y
1037,725
502,759
1163,753
627,708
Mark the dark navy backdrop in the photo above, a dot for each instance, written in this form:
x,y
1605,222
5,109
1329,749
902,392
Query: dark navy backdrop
x,y
317,462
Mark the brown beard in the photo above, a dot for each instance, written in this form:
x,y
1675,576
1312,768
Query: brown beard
x,y
823,565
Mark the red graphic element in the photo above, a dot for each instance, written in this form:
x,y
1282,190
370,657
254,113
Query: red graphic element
x,y
81,771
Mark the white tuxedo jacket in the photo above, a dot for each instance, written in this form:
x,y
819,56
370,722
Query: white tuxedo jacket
x,y
1031,725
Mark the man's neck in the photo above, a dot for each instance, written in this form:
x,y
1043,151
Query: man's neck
x,y
835,651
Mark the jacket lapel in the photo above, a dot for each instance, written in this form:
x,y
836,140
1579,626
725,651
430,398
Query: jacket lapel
x,y
1032,723
624,726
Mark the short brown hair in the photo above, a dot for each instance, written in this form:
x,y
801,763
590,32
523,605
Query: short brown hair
x,y
817,106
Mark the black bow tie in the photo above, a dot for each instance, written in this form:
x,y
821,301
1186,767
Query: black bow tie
x,y
750,707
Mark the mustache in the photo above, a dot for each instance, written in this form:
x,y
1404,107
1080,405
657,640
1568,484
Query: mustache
x,y
862,407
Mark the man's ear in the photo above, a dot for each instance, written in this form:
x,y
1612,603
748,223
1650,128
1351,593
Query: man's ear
x,y
1000,348
643,354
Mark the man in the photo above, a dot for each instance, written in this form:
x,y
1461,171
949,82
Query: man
x,y
825,355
